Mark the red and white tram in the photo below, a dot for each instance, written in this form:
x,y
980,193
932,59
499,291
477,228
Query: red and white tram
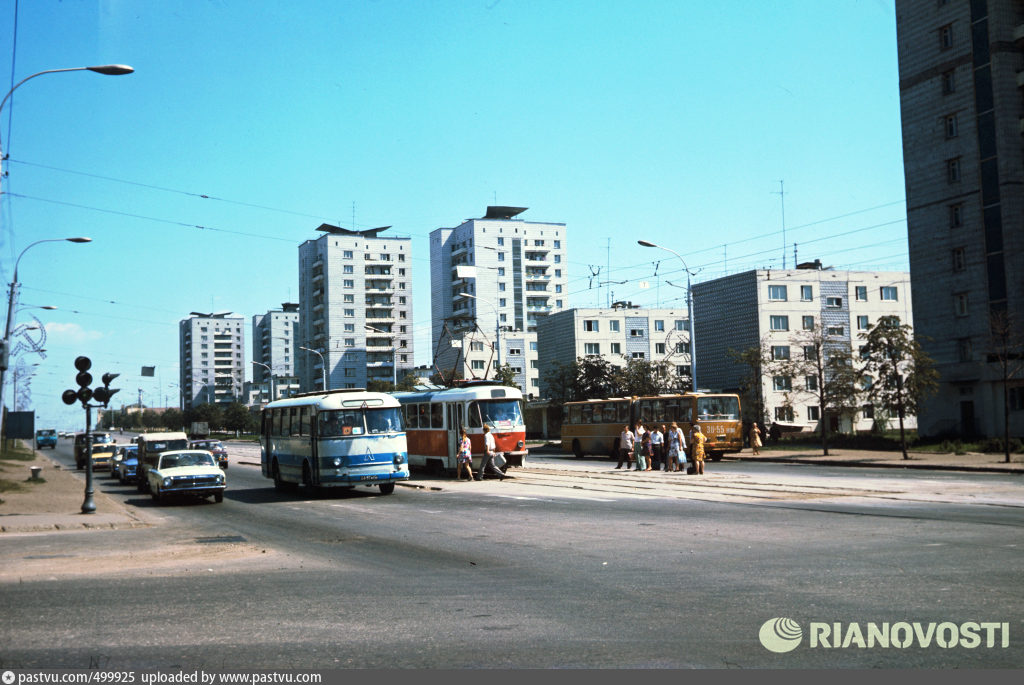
x,y
433,420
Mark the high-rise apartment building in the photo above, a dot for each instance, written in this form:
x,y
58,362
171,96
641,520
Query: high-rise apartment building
x,y
274,339
212,358
774,310
962,104
355,308
517,273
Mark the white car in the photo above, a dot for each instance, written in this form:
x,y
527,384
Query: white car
x,y
192,472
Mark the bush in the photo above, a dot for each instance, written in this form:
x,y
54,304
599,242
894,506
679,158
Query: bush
x,y
997,445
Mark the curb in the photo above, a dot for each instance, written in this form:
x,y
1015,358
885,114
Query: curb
x,y
817,461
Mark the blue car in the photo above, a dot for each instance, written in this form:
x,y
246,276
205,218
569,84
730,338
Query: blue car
x,y
46,438
127,466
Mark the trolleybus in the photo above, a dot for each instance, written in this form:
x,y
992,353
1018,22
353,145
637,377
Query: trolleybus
x,y
594,426
334,439
433,420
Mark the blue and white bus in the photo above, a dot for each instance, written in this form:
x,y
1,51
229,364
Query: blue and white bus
x,y
339,439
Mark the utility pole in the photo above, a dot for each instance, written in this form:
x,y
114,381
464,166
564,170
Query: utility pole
x,y
782,199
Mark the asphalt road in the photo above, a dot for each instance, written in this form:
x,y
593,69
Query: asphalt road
x,y
593,568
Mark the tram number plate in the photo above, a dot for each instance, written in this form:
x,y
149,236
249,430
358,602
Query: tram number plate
x,y
368,477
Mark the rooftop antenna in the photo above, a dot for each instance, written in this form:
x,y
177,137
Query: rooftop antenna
x,y
782,199
608,260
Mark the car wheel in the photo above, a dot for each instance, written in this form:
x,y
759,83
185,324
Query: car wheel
x,y
218,497
156,494
387,488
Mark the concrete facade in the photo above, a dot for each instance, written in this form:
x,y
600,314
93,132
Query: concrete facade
x,y
962,117
617,334
349,281
274,338
518,275
211,350
767,308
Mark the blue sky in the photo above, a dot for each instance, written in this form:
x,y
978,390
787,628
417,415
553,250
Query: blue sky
x,y
668,121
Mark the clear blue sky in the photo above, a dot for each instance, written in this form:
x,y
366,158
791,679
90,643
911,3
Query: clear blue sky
x,y
670,121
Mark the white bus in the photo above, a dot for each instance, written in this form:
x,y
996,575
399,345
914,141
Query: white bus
x,y
339,439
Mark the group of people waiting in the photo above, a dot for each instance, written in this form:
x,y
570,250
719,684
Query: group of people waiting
x,y
661,447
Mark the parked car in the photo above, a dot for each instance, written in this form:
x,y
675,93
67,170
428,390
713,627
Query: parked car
x,y
127,468
47,437
214,447
103,448
191,472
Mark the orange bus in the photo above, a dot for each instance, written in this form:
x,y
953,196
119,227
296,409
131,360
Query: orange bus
x,y
593,426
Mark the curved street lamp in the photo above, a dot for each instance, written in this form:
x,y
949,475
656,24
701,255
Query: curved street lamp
x,y
689,311
323,365
270,376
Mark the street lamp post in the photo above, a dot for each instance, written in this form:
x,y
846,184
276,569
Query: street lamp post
x,y
270,376
12,303
394,354
323,365
689,311
497,326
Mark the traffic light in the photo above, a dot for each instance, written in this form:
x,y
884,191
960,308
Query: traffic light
x,y
104,393
84,378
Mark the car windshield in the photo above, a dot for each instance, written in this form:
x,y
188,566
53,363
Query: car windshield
x,y
47,434
171,461
101,439
504,413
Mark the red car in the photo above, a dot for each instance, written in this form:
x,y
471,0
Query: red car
x,y
214,447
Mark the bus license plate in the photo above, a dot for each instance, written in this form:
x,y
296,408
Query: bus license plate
x,y
368,477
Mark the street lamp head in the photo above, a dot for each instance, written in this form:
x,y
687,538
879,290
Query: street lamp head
x,y
467,295
646,243
112,69
79,240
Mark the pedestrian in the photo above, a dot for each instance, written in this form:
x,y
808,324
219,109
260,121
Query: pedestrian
x,y
465,457
490,450
626,439
643,453
658,445
676,460
698,449
638,433
755,438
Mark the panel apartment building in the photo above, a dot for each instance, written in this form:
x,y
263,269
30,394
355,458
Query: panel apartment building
x,y
274,339
355,308
517,275
771,308
962,109
618,334
211,350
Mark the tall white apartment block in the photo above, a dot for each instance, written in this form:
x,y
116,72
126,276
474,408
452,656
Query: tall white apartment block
x,y
771,308
518,275
355,308
274,340
618,334
211,348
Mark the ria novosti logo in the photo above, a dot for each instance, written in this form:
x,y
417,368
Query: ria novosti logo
x,y
781,635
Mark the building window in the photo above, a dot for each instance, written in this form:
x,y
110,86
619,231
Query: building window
x,y
533,345
679,324
780,352
636,333
349,299
350,342
948,82
808,323
960,304
659,348
810,353
613,326
515,350
963,349
501,241
501,287
477,364
659,325
682,347
834,330
476,346
592,348
784,414
888,293
682,369
638,355
811,383
861,293
834,302
778,323
952,129
349,283
558,259
959,258
616,348
1016,398
956,215
347,269
953,170
946,37
350,328
863,350
347,254
350,373
501,256
782,383
868,411
862,323
806,293
813,413
502,301
777,293
350,312
591,325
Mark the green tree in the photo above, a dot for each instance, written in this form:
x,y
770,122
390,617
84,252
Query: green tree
x,y
643,377
902,374
753,360
816,366
595,377
408,382
506,375
150,419
210,413
172,419
238,418
376,385
559,381
1006,340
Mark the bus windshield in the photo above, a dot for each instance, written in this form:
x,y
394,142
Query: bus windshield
x,y
346,422
718,408
495,413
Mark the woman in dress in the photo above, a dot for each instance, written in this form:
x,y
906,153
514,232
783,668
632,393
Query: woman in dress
x,y
698,449
465,457
755,438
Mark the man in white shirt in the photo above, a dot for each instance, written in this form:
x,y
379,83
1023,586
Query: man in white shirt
x,y
490,450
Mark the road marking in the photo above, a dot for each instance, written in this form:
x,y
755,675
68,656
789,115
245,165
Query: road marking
x,y
517,497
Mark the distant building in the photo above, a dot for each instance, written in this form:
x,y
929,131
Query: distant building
x,y
960,100
516,273
355,308
769,308
212,357
274,337
618,334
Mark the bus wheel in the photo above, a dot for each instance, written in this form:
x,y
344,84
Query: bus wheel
x,y
614,454
307,475
279,484
577,449
387,488
715,456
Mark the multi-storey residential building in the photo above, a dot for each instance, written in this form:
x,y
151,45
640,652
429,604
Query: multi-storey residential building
x,y
961,95
618,334
517,275
274,337
773,310
212,358
355,308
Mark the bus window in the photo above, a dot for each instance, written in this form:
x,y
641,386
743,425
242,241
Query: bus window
x,y
460,419
437,415
278,418
304,421
718,408
424,415
658,411
474,415
623,408
383,420
296,426
598,416
410,416
499,411
588,413
574,413
341,423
